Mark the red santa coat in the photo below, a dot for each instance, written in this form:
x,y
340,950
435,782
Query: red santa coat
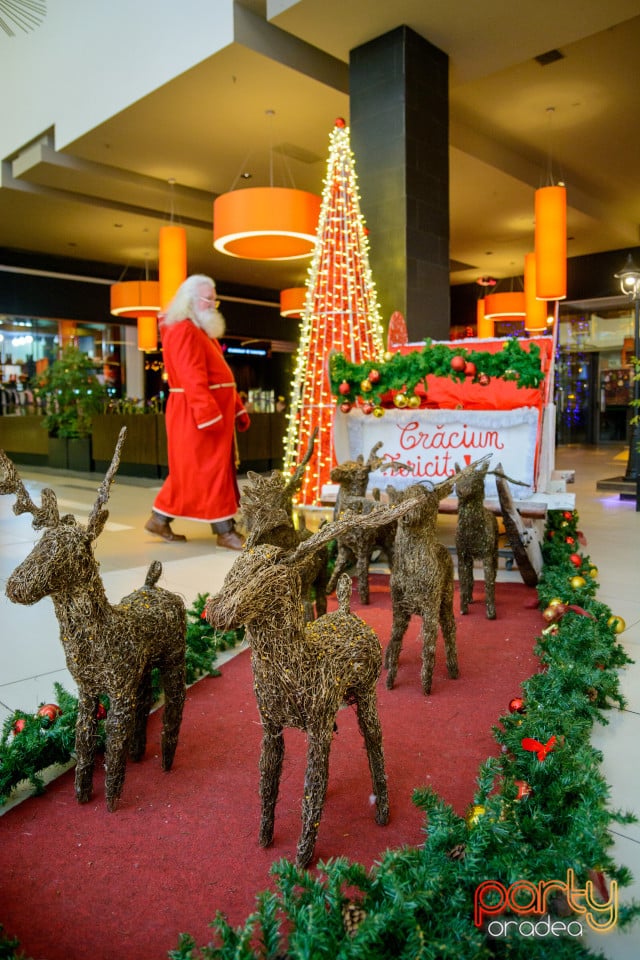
x,y
202,412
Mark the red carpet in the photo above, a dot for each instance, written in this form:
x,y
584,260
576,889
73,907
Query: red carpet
x,y
78,883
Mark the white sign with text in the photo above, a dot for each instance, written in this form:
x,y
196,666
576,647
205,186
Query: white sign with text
x,y
432,442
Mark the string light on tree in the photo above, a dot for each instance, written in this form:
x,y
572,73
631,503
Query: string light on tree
x,y
341,313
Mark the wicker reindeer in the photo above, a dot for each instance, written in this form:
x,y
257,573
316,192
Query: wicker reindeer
x,y
108,649
302,672
266,503
357,546
422,580
476,538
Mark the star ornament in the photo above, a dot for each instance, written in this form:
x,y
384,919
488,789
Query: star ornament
x,y
540,749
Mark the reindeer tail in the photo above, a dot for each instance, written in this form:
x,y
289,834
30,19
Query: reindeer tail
x,y
153,574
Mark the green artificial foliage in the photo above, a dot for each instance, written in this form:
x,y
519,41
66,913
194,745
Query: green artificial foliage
x,y
402,373
71,392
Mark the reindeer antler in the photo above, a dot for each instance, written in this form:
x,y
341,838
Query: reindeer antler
x,y
98,515
45,515
294,481
378,517
499,472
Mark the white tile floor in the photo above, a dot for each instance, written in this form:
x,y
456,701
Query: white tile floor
x,y
31,658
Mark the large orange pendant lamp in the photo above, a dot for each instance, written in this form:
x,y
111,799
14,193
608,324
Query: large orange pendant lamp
x,y
266,223
139,299
172,262
292,301
509,305
551,243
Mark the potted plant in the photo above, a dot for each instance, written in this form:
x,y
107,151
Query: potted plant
x,y
72,394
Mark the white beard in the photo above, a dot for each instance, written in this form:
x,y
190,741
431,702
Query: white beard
x,y
211,321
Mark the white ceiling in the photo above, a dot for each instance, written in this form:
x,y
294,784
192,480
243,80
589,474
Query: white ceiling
x,y
511,119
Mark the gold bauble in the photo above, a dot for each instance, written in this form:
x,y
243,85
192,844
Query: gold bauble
x,y
414,401
555,602
473,814
400,400
365,386
388,356
618,624
378,411
593,573
577,582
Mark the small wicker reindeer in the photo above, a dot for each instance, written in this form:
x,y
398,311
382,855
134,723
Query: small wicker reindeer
x,y
302,672
266,503
476,538
108,649
422,580
356,546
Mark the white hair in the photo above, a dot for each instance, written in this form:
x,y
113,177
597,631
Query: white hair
x,y
183,303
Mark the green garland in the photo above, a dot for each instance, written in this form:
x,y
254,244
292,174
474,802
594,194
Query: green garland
x,y
41,742
534,816
403,372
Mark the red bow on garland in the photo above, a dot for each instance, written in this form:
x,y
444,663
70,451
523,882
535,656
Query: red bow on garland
x,y
540,749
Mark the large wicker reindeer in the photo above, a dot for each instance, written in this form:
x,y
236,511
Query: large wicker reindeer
x,y
266,503
356,546
422,579
108,648
476,538
303,672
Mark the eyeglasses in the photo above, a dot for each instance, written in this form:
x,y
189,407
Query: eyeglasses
x,y
210,301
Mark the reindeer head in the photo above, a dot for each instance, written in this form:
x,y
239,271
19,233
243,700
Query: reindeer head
x,y
353,475
470,484
63,557
265,502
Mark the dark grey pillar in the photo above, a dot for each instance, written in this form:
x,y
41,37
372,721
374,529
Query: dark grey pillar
x,y
399,120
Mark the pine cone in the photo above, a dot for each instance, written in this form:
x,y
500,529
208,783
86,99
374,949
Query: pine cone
x,y
457,852
352,917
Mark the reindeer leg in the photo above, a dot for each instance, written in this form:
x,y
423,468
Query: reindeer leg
x,y
401,618
315,791
429,634
118,729
344,560
271,757
86,733
138,743
490,565
448,626
174,683
369,723
465,577
362,570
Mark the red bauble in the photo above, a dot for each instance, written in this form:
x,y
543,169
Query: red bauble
x,y
576,559
344,388
567,515
339,122
569,540
367,408
469,369
49,712
101,712
345,407
516,705
374,376
484,379
458,363
19,726
523,789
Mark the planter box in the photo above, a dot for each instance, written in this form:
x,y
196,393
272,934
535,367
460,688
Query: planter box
x,y
70,453
24,439
140,451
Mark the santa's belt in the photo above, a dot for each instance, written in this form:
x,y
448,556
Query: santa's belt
x,y
212,386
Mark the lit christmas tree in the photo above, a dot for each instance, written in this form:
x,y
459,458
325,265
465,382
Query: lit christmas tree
x,y
341,313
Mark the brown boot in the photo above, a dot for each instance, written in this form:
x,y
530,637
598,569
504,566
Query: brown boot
x,y
162,528
231,540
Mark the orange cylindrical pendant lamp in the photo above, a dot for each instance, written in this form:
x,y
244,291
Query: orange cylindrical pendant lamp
x,y
266,223
485,324
147,332
172,262
508,304
536,318
551,243
292,301
134,297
